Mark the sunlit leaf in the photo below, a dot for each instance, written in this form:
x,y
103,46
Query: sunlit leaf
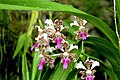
x,y
20,44
46,5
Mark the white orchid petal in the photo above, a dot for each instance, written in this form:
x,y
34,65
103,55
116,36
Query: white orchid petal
x,y
40,30
41,56
87,60
48,21
65,54
56,54
50,27
80,65
94,64
37,38
61,27
74,24
45,36
73,47
84,22
49,49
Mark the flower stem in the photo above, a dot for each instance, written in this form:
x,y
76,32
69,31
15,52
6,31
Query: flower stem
x,y
116,27
82,49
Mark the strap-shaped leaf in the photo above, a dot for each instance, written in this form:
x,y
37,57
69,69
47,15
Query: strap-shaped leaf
x,y
118,12
20,44
104,49
25,72
106,45
36,61
46,5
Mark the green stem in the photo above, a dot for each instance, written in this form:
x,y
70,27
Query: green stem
x,y
82,50
115,20
50,15
33,20
116,28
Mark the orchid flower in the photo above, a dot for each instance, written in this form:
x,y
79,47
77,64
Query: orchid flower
x,y
82,32
59,40
67,56
43,39
88,72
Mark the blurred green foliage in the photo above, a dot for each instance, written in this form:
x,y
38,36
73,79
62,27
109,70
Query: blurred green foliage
x,y
13,23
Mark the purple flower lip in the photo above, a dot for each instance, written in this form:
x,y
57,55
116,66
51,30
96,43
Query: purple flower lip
x,y
83,35
58,41
89,77
42,62
65,62
35,45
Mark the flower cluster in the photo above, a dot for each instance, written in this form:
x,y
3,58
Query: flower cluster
x,y
52,33
88,73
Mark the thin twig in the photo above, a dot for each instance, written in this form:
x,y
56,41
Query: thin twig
x,y
116,27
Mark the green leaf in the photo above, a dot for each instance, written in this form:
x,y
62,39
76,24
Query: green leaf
x,y
46,5
27,43
38,75
25,72
106,45
72,74
36,61
105,48
20,44
118,13
110,71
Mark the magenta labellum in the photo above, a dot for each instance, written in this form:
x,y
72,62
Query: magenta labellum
x,y
89,77
42,62
65,62
35,45
83,35
58,41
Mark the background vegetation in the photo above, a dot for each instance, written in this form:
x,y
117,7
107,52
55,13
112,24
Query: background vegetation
x,y
17,35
